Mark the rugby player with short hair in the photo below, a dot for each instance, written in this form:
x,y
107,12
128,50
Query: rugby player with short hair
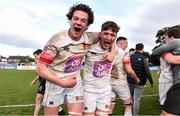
x,y
97,73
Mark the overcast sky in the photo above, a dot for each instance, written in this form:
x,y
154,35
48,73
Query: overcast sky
x,y
26,25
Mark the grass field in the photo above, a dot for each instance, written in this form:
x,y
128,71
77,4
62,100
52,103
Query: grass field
x,y
15,89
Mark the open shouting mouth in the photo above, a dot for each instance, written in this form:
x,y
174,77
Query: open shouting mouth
x,y
77,29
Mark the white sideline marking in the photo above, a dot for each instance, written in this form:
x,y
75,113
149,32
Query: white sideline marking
x,y
8,106
150,95
29,105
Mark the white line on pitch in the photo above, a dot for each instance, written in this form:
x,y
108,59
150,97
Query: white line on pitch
x,y
25,105
150,95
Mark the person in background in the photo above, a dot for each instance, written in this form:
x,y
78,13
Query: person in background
x,y
172,102
122,67
141,67
131,51
41,87
165,80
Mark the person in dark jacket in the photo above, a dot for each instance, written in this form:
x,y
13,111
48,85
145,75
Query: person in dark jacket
x,y
141,67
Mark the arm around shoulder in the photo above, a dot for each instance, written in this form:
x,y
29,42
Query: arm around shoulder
x,y
163,48
171,59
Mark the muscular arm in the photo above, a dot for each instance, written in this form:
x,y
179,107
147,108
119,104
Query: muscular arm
x,y
170,58
42,69
45,72
167,47
129,70
131,73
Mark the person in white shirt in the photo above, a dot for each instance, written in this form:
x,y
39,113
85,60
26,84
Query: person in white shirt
x,y
122,66
97,73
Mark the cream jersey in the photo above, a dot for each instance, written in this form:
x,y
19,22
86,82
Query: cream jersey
x,y
96,69
63,55
166,72
118,70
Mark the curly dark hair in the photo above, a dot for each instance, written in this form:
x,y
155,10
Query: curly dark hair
x,y
110,25
84,8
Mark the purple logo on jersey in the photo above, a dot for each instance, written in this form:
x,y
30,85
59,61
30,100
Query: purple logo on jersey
x,y
73,64
101,68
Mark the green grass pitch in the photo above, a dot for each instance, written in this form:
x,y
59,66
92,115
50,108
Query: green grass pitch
x,y
15,89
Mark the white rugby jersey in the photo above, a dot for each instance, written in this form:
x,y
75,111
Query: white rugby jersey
x,y
166,72
96,69
118,70
63,55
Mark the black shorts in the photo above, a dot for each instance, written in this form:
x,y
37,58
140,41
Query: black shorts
x,y
172,102
41,88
